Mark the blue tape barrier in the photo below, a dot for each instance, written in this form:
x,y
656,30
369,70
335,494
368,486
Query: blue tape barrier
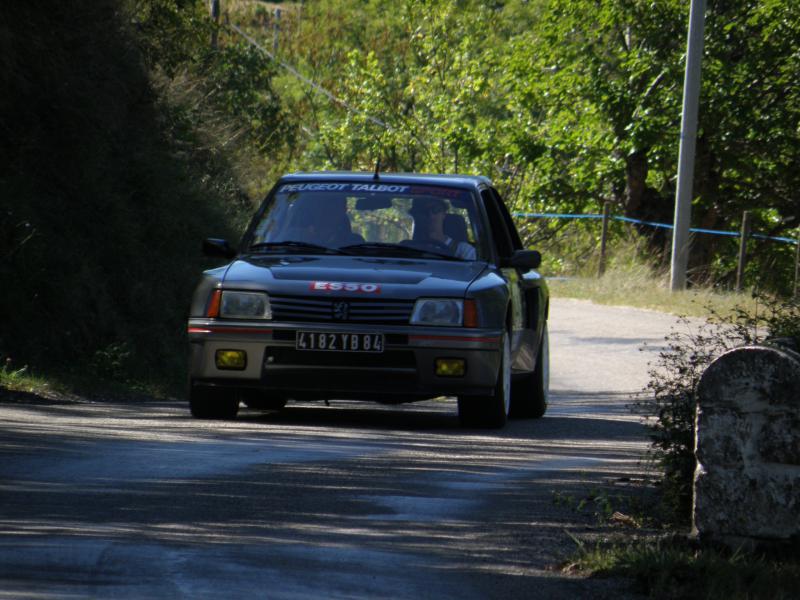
x,y
557,216
759,236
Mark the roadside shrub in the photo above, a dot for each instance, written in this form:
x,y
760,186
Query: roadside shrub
x,y
669,404
106,189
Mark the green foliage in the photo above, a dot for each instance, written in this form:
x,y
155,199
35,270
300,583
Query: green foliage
x,y
127,137
224,91
10,376
106,189
752,105
241,83
171,33
112,362
670,569
671,398
566,104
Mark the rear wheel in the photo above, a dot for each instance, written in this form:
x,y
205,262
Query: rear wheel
x,y
529,395
213,403
490,411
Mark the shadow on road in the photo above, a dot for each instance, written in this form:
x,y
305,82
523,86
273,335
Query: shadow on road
x,y
143,501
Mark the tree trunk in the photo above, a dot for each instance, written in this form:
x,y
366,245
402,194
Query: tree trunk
x,y
635,181
645,203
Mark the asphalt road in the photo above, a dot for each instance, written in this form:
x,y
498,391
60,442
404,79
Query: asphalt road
x,y
354,500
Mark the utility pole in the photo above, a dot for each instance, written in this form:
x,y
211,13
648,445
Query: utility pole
x,y
691,100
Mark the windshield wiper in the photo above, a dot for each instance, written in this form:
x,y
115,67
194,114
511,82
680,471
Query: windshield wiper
x,y
399,248
293,244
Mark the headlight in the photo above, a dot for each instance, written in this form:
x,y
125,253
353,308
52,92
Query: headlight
x,y
438,311
245,305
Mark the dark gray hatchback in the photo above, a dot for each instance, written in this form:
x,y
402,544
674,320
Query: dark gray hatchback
x,y
389,288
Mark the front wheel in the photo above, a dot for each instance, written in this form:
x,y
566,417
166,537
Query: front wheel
x,y
213,403
529,395
490,411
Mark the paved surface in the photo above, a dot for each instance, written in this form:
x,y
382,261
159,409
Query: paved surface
x,y
101,500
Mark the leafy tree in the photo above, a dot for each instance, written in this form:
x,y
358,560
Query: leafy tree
x,y
565,104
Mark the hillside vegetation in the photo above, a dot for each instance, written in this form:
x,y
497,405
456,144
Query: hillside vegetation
x,y
106,192
127,138
565,104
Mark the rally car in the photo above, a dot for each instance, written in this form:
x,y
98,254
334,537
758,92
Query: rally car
x,y
387,288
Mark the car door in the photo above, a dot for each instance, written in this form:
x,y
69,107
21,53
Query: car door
x,y
506,241
534,290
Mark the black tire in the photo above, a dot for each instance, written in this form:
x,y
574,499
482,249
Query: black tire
x,y
529,395
263,400
213,403
490,411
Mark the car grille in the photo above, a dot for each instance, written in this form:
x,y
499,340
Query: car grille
x,y
343,310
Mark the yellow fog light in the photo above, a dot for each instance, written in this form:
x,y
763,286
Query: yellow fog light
x,y
450,367
231,359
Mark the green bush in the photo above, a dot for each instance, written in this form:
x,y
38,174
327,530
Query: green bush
x,y
107,186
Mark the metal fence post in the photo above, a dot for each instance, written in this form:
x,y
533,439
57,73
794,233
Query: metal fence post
x,y
276,31
601,268
213,7
743,250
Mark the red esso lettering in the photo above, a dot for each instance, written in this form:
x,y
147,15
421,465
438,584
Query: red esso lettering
x,y
335,286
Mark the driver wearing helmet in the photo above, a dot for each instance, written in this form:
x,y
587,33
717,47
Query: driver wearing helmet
x,y
429,216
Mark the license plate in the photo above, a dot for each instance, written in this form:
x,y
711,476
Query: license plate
x,y
339,342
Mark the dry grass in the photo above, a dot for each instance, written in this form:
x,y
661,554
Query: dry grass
x,y
639,286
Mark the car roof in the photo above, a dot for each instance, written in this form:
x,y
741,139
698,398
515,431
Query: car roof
x,y
462,181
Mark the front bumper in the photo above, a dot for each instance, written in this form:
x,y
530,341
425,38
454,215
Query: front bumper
x,y
405,370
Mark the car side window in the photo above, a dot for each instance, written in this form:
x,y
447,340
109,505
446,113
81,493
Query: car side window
x,y
500,234
516,242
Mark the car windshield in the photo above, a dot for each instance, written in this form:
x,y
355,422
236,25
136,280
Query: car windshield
x,y
371,219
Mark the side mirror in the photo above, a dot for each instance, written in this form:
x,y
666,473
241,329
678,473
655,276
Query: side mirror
x,y
525,259
218,248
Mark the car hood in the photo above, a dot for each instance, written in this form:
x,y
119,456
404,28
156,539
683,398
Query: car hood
x,y
392,277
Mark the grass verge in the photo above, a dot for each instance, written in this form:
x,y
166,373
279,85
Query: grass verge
x,y
640,287
19,379
17,382
671,568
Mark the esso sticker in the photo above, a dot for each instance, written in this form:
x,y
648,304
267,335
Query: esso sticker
x,y
341,286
